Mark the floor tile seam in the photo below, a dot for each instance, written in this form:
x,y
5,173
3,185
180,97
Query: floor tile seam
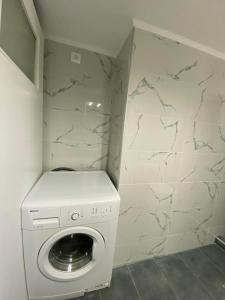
x,y
133,281
216,266
166,279
100,295
198,278
213,262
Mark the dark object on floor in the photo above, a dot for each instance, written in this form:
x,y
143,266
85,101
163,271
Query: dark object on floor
x,y
62,169
197,274
220,241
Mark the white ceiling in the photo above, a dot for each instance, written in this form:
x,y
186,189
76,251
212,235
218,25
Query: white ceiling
x,y
103,25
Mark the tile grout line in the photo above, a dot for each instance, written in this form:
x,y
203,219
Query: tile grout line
x,y
165,277
100,295
133,281
198,279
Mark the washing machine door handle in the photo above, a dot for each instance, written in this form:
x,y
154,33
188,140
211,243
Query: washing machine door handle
x,y
52,266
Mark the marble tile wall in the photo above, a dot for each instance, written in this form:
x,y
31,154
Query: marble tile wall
x,y
77,108
119,89
160,104
172,173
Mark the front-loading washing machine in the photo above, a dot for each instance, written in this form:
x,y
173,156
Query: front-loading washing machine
x,y
69,224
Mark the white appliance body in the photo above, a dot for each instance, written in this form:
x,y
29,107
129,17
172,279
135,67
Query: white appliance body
x,y
69,224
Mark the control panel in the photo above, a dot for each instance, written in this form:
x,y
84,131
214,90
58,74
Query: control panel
x,y
78,215
101,211
46,218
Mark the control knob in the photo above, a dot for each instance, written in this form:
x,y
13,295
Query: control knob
x,y
75,216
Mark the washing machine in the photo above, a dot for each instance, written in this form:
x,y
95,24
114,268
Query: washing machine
x,y
69,224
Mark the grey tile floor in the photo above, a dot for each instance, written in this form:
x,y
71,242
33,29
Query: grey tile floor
x,y
197,274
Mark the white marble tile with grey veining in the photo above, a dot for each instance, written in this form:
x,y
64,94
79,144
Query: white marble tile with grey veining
x,y
140,133
174,136
161,96
77,106
178,62
204,137
149,167
197,167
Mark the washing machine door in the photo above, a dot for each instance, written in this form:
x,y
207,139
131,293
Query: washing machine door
x,y
71,253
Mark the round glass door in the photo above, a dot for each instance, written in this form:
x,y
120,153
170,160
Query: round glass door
x,y
71,252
